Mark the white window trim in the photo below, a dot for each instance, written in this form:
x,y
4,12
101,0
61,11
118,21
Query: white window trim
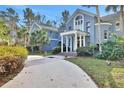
x,y
88,26
82,23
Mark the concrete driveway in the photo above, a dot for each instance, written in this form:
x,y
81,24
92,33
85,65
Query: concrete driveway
x,y
50,72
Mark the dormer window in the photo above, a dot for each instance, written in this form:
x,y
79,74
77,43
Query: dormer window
x,y
79,23
75,23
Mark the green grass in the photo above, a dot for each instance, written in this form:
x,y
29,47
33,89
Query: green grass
x,y
103,75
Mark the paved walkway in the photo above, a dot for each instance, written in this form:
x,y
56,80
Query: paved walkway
x,y
50,72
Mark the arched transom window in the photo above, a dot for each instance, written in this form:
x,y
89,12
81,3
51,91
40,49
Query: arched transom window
x,y
79,22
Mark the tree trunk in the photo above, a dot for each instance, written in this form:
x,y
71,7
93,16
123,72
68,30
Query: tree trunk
x,y
99,28
121,18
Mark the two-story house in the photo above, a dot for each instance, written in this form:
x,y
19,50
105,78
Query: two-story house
x,y
81,30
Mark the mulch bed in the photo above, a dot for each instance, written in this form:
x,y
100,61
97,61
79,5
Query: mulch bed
x,y
5,79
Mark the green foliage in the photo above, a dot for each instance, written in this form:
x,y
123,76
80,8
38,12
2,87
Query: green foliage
x,y
85,51
39,37
11,58
108,8
13,51
29,17
4,33
65,17
56,50
112,50
49,23
23,36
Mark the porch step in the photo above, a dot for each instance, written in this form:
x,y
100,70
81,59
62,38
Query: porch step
x,y
68,54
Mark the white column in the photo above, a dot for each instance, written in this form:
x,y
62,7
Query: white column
x,y
80,41
61,43
75,42
66,43
70,43
84,42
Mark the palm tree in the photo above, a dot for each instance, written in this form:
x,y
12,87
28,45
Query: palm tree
x,y
14,18
23,36
49,22
98,20
43,18
115,8
39,38
42,37
38,18
65,17
29,18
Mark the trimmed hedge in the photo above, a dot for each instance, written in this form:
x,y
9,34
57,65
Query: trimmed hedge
x,y
85,51
11,58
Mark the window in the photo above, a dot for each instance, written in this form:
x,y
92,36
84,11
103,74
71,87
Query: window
x,y
105,34
88,29
79,22
78,17
117,26
75,23
87,26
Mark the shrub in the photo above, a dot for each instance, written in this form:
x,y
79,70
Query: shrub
x,y
107,48
111,51
56,50
117,53
11,58
85,51
13,50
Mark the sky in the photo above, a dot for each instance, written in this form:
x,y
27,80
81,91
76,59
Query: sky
x,y
52,12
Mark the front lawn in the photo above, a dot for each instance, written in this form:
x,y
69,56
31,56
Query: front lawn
x,y
103,75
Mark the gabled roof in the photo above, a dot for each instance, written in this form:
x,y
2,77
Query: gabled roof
x,y
83,12
111,16
44,26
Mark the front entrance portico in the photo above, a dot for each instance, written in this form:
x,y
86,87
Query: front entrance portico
x,y
72,40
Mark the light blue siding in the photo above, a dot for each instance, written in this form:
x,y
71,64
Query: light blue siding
x,y
52,45
54,40
87,18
